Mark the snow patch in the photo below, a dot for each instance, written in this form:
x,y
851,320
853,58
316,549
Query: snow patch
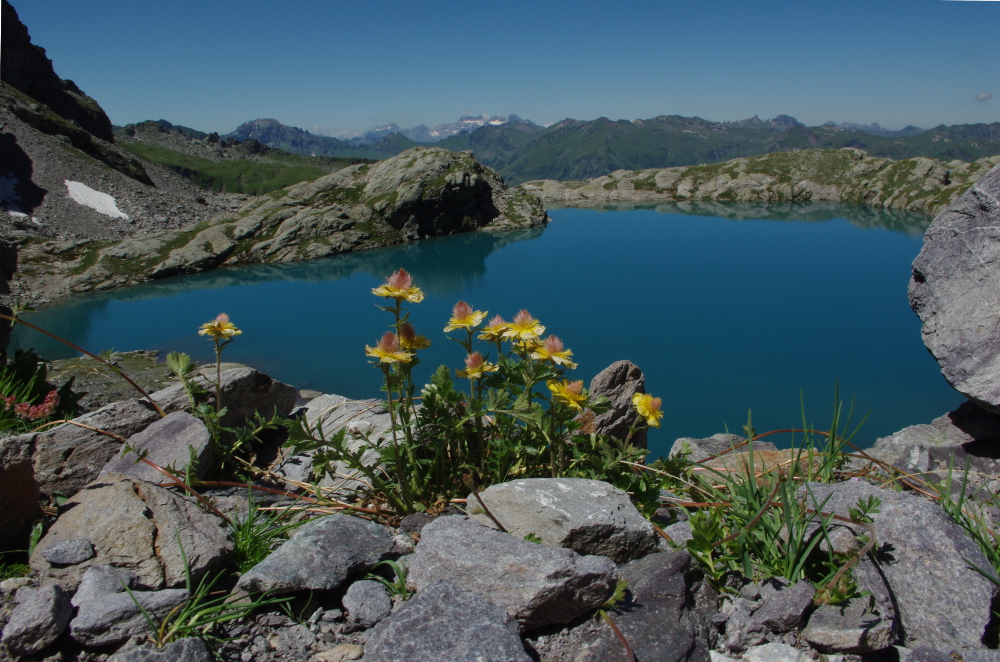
x,y
99,202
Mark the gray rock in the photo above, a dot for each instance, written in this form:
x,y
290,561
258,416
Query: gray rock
x,y
101,580
968,429
743,631
537,585
114,618
775,652
679,532
366,602
137,526
182,650
38,619
955,290
19,490
168,442
69,552
659,618
320,556
444,623
923,556
849,628
618,382
698,450
783,609
587,516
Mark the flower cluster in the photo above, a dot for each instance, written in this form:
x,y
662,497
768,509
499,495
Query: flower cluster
x,y
32,412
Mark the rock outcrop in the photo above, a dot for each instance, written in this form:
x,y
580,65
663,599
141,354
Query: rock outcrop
x,y
845,175
955,290
423,192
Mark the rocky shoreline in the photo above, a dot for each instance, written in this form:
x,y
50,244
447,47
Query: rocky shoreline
x,y
845,175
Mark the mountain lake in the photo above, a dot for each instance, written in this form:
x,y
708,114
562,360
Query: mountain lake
x,y
726,308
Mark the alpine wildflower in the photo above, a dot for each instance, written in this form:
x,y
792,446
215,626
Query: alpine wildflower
x,y
552,350
409,340
399,286
568,393
524,327
476,366
388,350
220,328
649,408
464,317
494,329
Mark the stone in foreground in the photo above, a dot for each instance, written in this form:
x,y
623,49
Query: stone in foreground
x,y
115,618
69,552
587,516
170,442
784,608
955,290
444,623
101,580
37,621
537,585
618,383
320,556
366,603
926,559
662,617
183,650
775,653
848,629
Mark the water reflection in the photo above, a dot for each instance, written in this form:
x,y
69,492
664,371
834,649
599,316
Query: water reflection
x,y
910,223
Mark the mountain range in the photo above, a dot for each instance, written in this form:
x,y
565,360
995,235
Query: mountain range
x,y
573,150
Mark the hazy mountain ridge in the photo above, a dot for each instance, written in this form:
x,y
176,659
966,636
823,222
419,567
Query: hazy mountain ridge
x,y
582,149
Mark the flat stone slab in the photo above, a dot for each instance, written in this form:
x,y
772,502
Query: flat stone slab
x,y
69,552
537,585
321,555
170,442
115,618
955,290
444,623
587,516
848,629
183,650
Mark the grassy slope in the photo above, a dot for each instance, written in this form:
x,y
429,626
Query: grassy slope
x,y
240,176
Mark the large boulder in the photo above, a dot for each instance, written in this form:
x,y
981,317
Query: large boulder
x,y
321,555
537,585
927,562
139,527
445,623
587,516
955,290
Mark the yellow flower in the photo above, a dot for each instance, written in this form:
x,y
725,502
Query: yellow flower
x,y
399,286
524,327
476,366
552,350
464,317
220,328
409,340
568,393
649,408
494,330
388,350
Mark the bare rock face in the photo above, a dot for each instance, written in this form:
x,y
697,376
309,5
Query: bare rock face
x,y
955,290
139,527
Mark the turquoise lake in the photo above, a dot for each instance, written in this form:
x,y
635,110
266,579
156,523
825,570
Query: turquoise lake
x,y
726,310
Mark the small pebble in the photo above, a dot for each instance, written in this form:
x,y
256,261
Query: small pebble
x,y
69,552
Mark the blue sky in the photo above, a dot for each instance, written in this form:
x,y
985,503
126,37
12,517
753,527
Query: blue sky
x,y
333,66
